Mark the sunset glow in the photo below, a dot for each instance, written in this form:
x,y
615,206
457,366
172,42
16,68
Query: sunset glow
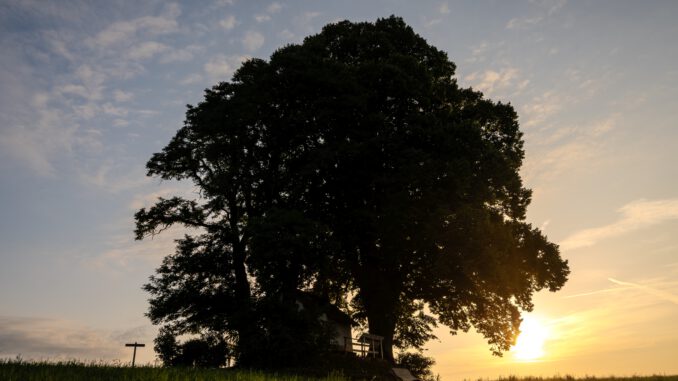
x,y
90,90
530,343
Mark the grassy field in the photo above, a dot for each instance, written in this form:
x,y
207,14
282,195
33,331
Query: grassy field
x,y
611,378
74,371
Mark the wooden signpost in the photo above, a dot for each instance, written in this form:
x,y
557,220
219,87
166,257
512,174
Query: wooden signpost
x,y
134,355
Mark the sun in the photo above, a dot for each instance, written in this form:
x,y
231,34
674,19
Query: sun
x,y
530,343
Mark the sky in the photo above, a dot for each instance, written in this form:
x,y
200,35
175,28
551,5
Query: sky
x,y
90,90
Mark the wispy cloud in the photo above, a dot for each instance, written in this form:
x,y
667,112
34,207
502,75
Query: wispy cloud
x,y
183,54
268,13
661,294
444,8
219,67
524,22
91,80
146,50
541,108
58,118
53,132
555,152
192,78
613,319
491,81
286,34
550,6
121,252
634,216
229,22
58,339
125,253
306,22
115,176
122,96
252,41
121,32
544,9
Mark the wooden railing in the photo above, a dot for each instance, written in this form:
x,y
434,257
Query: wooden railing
x,y
365,345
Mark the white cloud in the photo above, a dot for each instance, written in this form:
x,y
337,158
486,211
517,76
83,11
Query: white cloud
x,y
120,123
59,46
51,132
523,22
274,7
78,90
478,52
252,41
634,216
310,15
124,31
146,50
86,111
177,56
567,150
550,6
109,109
479,49
271,9
286,34
122,96
444,8
92,80
114,176
491,81
545,9
46,125
192,79
181,55
220,67
145,200
228,23
121,32
305,21
428,23
540,108
123,252
127,253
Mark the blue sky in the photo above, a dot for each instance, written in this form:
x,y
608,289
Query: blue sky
x,y
90,90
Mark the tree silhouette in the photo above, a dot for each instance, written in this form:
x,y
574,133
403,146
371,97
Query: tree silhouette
x,y
353,166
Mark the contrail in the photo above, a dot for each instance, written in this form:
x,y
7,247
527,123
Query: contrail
x,y
653,291
603,291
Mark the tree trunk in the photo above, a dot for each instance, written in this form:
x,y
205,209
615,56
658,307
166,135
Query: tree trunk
x,y
243,322
380,292
380,324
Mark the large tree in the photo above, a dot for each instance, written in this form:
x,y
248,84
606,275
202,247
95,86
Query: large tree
x,y
353,165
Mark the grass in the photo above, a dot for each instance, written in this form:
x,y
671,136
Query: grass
x,y
17,370
591,378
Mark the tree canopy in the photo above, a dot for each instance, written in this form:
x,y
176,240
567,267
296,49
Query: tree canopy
x,y
353,167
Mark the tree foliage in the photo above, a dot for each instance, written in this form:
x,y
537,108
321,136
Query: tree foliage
x,y
207,351
354,167
418,364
